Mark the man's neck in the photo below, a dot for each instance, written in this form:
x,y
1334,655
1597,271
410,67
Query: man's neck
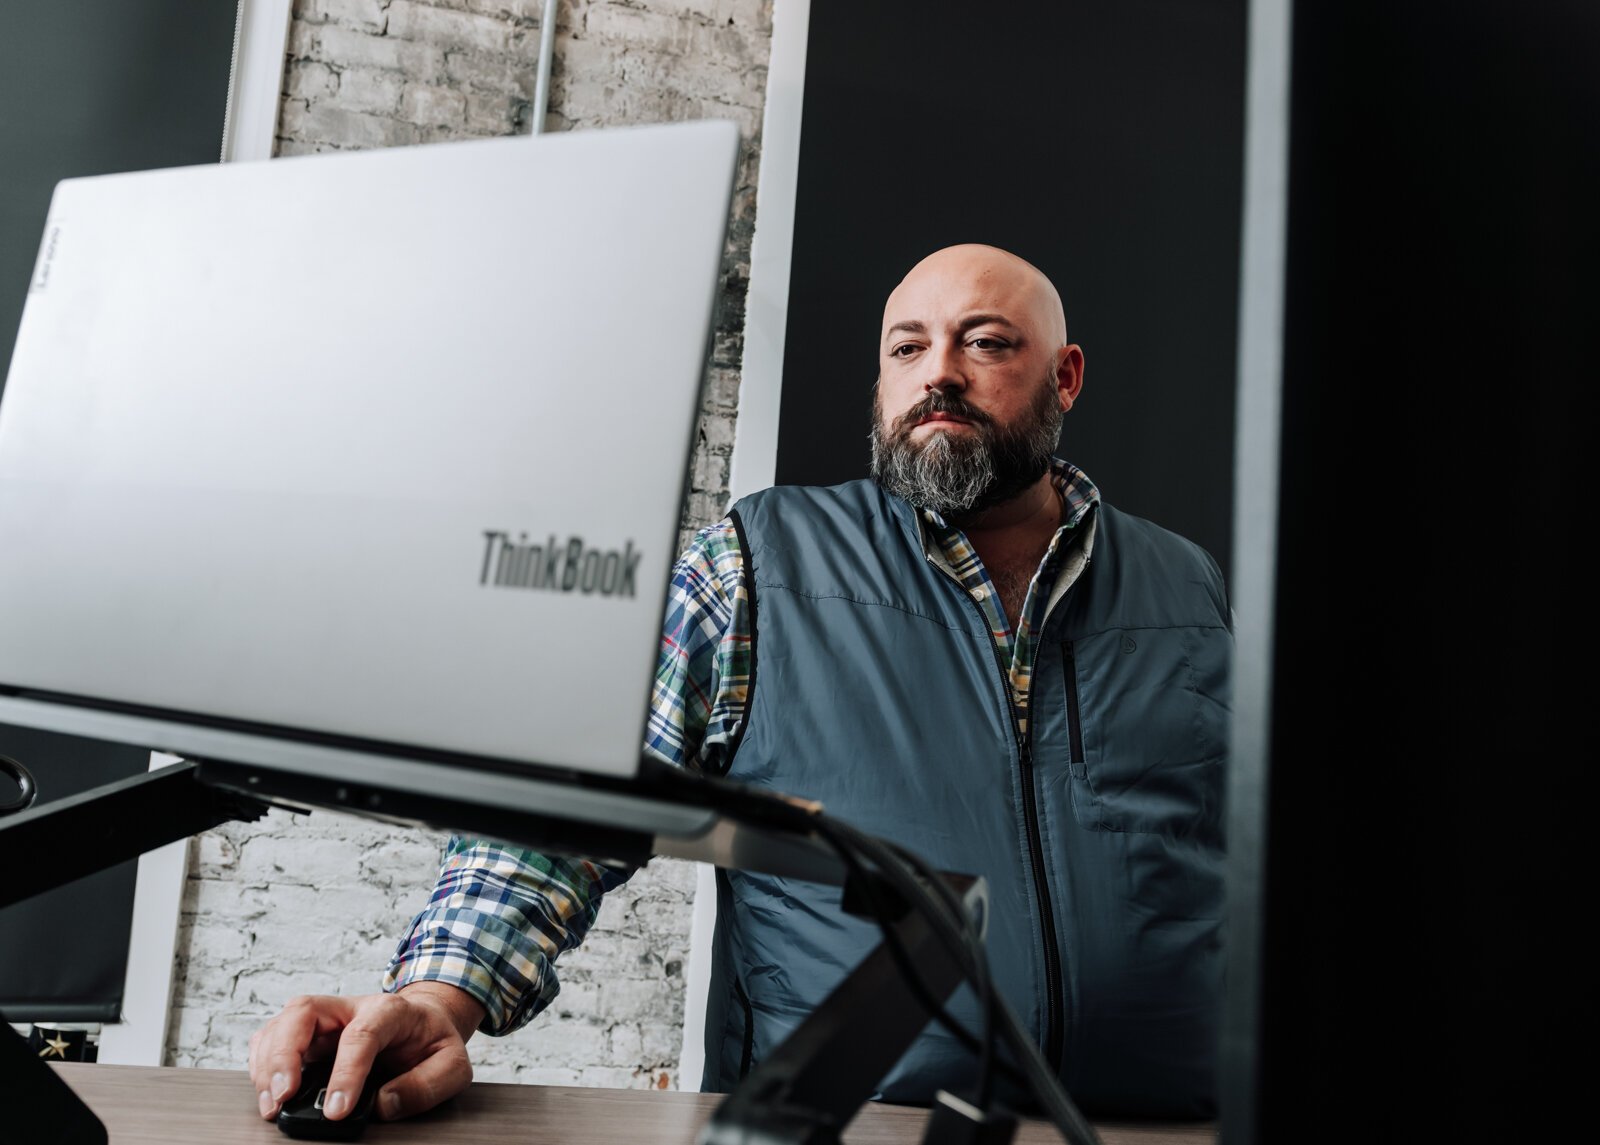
x,y
1036,511
1011,539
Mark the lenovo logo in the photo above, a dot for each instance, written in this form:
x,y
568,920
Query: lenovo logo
x,y
557,566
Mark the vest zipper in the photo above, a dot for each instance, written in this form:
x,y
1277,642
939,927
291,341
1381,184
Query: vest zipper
x,y
1055,1015
1055,1026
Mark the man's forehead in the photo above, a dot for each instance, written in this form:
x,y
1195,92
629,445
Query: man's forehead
x,y
956,284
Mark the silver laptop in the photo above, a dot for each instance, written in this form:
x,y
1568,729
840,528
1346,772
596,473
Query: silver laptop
x,y
366,467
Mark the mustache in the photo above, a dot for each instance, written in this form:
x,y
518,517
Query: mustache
x,y
938,401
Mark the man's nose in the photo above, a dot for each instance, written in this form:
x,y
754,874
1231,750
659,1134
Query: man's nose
x,y
945,368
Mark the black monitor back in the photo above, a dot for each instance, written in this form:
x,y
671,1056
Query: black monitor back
x,y
1424,722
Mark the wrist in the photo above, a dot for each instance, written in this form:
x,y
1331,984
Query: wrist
x,y
463,1011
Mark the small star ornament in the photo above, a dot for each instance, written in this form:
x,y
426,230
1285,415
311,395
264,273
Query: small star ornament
x,y
55,1047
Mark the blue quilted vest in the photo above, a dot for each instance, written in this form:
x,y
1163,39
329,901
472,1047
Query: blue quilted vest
x,y
877,691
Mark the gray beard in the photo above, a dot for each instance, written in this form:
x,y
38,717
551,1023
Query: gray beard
x,y
956,475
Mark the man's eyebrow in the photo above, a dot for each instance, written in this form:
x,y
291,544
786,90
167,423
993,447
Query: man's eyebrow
x,y
970,320
967,322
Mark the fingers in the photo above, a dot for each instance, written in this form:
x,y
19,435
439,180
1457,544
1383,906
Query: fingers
x,y
419,1033
439,1077
322,1047
379,1022
278,1048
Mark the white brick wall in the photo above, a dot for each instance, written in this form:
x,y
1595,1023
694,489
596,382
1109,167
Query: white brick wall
x,y
314,904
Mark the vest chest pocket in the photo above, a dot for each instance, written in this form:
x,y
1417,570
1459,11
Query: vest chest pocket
x,y
1147,714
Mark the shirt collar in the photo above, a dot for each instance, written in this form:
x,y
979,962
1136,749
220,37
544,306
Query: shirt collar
x,y
1078,493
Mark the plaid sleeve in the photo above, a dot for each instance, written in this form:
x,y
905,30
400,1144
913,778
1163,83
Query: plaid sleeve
x,y
499,916
703,671
495,923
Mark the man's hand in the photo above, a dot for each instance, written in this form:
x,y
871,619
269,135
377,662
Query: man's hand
x,y
420,1033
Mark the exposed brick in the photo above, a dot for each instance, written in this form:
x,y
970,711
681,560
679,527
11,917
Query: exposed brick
x,y
705,9
612,1077
304,38
353,129
733,48
369,90
535,1075
702,508
308,79
286,859
710,471
227,948
626,1043
717,432
659,1042
747,118
409,20
367,15
491,73
449,134
587,58
753,17
522,10
213,853
290,147
637,27
384,864
343,47
190,1028
492,114
646,70
587,102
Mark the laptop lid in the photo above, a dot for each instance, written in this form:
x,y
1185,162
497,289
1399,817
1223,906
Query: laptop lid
x,y
383,450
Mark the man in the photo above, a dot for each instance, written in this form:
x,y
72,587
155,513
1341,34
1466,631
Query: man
x,y
971,654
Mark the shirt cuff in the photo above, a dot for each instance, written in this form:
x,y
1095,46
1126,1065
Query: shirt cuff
x,y
482,955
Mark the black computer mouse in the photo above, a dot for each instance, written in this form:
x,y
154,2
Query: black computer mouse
x,y
301,1115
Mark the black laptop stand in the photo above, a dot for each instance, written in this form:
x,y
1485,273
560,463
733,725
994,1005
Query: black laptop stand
x,y
803,1093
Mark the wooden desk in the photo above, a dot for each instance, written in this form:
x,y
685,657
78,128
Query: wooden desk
x,y
143,1105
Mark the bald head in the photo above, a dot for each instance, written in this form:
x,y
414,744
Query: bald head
x,y
979,278
974,375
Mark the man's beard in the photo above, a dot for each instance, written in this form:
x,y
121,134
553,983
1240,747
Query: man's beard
x,y
964,472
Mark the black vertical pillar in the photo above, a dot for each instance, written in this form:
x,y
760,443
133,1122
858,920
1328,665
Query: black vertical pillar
x,y
1429,724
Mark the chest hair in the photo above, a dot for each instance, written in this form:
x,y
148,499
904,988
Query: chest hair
x,y
1011,582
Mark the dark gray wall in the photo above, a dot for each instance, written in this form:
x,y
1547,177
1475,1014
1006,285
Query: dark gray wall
x,y
89,87
86,88
1101,140
63,954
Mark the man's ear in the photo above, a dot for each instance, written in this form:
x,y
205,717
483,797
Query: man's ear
x,y
1069,375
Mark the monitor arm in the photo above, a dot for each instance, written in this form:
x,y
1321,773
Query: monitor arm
x,y
810,1086
803,1093
107,825
111,824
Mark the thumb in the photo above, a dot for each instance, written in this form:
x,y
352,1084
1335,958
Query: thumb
x,y
435,1079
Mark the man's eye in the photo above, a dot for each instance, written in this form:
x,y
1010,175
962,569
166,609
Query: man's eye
x,y
986,343
904,350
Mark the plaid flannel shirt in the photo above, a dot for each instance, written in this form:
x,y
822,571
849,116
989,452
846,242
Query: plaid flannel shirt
x,y
500,916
